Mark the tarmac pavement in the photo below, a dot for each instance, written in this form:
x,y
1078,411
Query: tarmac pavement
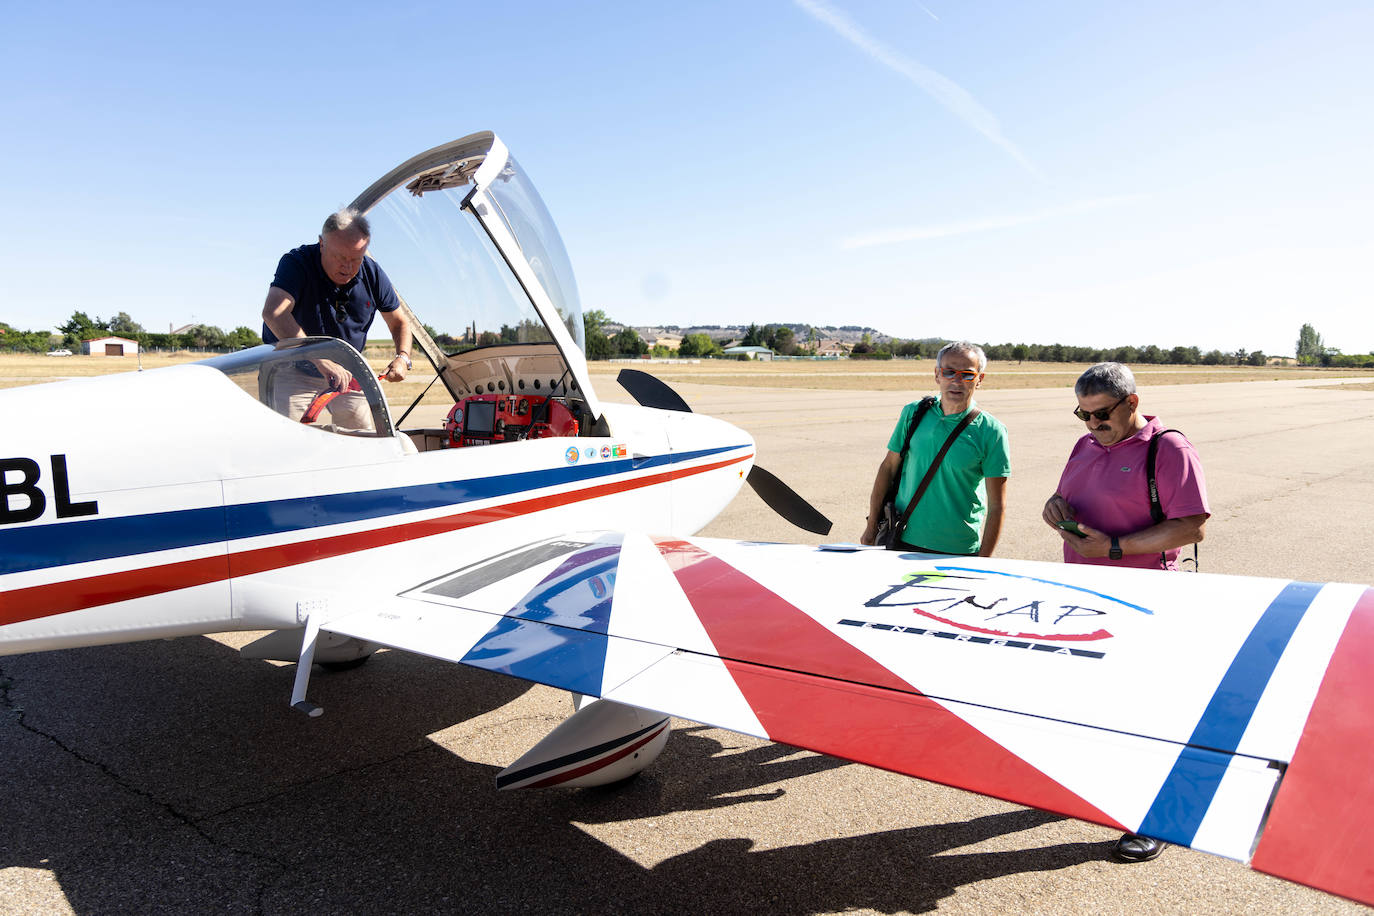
x,y
172,777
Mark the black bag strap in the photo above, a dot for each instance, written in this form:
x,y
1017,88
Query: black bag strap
x,y
921,410
1156,510
930,471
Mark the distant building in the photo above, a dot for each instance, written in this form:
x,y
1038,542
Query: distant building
x,y
832,349
750,352
109,346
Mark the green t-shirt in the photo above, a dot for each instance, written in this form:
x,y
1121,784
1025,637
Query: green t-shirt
x,y
950,516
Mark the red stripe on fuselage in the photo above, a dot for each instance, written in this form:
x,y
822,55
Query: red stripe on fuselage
x,y
811,688
1320,832
93,591
64,597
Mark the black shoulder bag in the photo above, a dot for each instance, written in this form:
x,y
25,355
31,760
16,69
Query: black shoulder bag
x,y
890,526
1156,510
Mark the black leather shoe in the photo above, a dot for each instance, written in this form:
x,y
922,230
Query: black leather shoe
x,y
1136,848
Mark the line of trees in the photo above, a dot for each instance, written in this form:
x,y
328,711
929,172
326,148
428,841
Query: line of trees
x,y
1148,355
802,340
13,340
624,343
523,331
1312,352
82,327
779,338
928,348
785,340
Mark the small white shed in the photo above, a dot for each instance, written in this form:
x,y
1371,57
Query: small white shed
x,y
110,346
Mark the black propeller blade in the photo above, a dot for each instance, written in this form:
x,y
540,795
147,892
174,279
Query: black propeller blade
x,y
650,392
782,499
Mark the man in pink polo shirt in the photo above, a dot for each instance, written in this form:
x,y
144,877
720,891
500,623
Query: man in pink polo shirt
x,y
1105,491
1105,487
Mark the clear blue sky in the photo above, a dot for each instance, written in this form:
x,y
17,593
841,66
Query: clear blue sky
x,y
1097,174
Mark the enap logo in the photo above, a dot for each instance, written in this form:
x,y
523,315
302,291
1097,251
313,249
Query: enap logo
x,y
1002,609
572,454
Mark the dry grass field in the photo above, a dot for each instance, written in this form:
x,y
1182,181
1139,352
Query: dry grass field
x,y
900,375
18,369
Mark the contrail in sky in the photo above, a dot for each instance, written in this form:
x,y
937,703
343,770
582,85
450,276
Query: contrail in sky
x,y
926,233
938,86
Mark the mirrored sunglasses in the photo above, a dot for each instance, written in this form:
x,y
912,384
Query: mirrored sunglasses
x,y
1101,413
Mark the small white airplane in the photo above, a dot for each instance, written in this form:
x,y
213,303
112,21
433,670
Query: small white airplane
x,y
547,535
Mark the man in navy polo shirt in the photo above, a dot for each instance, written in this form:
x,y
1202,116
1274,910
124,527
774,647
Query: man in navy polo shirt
x,y
332,289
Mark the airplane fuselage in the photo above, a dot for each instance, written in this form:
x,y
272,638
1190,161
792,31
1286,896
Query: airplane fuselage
x,y
194,531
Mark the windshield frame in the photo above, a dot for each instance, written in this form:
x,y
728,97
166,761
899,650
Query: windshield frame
x,y
269,358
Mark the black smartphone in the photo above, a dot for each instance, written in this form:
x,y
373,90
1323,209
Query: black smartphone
x,y
1069,524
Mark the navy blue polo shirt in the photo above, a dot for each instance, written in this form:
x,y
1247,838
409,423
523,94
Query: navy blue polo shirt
x,y
322,307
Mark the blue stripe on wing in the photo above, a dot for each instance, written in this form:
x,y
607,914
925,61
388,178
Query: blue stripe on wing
x,y
556,634
1183,800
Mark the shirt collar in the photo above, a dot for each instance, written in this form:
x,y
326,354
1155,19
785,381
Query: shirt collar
x,y
954,416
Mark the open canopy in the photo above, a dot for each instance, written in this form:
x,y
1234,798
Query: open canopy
x,y
473,252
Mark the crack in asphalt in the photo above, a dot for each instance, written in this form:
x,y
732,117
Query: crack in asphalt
x,y
291,788
201,824
8,702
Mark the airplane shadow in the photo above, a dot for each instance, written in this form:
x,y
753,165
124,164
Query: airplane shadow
x,y
172,777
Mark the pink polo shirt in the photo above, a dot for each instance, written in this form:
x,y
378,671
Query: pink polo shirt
x,y
1108,488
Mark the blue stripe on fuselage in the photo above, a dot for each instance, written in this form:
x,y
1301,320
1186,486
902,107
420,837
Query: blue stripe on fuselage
x,y
46,546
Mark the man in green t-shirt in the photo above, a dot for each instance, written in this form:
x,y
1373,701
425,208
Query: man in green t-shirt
x,y
961,511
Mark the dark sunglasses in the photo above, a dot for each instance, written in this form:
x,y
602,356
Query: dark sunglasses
x,y
1099,414
967,375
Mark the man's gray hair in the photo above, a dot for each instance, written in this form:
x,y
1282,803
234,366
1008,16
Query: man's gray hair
x,y
965,347
347,219
1111,379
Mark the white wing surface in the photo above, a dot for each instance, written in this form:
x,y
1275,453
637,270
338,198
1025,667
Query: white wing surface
x,y
1178,706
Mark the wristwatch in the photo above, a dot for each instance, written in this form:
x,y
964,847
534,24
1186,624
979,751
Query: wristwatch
x,y
405,356
1115,552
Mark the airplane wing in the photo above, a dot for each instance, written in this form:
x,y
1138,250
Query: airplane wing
x,y
1228,714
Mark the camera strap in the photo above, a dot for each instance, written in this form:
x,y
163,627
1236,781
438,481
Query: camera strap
x,y
1156,510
